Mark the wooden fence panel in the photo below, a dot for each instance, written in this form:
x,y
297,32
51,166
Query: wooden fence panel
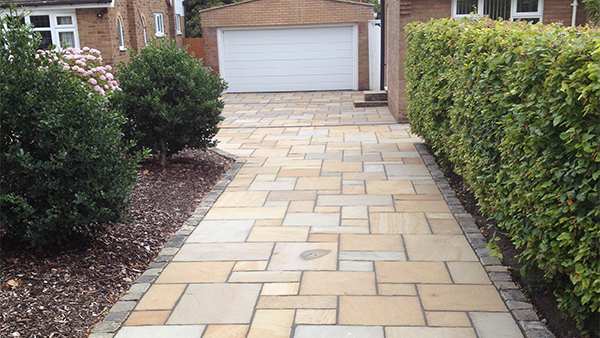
x,y
195,46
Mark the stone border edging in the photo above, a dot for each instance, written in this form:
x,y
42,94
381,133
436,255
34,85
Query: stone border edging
x,y
121,310
513,297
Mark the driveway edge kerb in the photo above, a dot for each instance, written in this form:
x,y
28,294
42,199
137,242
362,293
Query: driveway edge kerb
x,y
516,302
121,310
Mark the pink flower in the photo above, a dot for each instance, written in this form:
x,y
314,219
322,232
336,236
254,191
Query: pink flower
x,y
109,76
102,77
108,67
85,49
66,67
93,81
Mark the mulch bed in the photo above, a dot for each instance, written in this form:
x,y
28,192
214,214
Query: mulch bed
x,y
63,293
532,285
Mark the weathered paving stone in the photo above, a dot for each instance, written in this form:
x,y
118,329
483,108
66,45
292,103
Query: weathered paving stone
x,y
525,315
490,261
158,265
175,242
517,305
513,295
101,335
106,326
117,317
123,306
539,334
506,286
500,277
139,287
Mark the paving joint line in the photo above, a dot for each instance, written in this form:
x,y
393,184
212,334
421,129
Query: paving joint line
x,y
317,126
522,311
121,310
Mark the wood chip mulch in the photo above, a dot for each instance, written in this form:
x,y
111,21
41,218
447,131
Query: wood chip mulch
x,y
63,293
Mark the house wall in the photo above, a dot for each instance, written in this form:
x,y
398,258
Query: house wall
x,y
401,12
255,13
102,34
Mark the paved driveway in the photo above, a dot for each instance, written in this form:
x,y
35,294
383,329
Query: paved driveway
x,y
332,228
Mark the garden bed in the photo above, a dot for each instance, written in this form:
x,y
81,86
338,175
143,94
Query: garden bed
x,y
63,293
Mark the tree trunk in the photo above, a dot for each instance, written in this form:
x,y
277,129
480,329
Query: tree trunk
x,y
163,151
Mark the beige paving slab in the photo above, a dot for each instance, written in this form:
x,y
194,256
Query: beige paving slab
x,y
318,183
337,331
245,213
444,226
354,200
242,199
289,256
297,302
495,325
390,187
250,265
272,324
226,231
399,223
468,273
195,272
355,212
429,332
139,318
338,283
216,304
352,242
161,297
226,331
460,297
280,289
311,219
224,252
292,196
323,237
412,272
438,248
396,289
315,317
301,206
441,318
264,276
422,206
279,234
380,310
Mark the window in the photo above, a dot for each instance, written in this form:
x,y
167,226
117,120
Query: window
x,y
144,28
530,10
55,28
178,24
159,29
120,32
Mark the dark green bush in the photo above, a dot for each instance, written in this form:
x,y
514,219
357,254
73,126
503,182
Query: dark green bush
x,y
515,108
170,100
63,166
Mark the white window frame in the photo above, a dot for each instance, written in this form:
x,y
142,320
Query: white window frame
x,y
144,28
159,28
120,32
178,24
514,15
55,28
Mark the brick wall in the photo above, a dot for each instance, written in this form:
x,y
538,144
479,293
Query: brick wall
x,y
253,13
401,12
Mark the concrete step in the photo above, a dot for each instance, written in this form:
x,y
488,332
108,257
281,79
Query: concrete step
x,y
379,95
361,103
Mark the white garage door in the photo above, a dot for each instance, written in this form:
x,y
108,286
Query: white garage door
x,y
289,58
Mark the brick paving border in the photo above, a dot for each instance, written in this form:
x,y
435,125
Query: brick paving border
x,y
122,309
513,297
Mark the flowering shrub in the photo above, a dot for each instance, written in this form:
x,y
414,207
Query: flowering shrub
x,y
86,64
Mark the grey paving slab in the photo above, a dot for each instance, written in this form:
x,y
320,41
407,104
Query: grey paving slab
x,y
224,252
354,200
221,231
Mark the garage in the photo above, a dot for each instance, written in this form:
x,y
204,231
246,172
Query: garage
x,y
289,58
288,45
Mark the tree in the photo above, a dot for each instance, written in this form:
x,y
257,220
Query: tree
x,y
170,100
192,10
593,9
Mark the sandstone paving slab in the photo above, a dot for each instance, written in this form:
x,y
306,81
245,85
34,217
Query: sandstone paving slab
x,y
264,276
280,289
421,206
429,332
250,265
231,213
226,231
495,325
354,200
141,318
399,223
304,256
242,199
412,272
317,317
396,289
318,183
445,319
216,304
272,324
380,310
297,302
226,331
170,331
338,283
161,297
356,212
389,187
195,272
355,266
279,234
223,252
329,331
311,219
438,248
468,273
372,256
460,297
353,242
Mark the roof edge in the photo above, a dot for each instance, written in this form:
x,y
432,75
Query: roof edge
x,y
248,1
43,3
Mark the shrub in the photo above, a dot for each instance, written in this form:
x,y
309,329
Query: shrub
x,y
170,100
63,165
515,108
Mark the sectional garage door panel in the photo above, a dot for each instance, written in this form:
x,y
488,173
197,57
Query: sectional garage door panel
x,y
289,59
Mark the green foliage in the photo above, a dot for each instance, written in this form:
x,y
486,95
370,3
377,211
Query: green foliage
x,y
169,99
515,108
593,9
63,165
193,26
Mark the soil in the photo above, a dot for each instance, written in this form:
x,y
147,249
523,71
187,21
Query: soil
x,y
65,292
532,284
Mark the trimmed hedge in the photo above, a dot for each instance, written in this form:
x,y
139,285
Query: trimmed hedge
x,y
515,108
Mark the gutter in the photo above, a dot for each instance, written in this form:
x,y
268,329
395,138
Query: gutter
x,y
382,56
574,17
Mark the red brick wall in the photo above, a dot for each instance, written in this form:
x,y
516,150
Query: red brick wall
x,y
254,13
561,11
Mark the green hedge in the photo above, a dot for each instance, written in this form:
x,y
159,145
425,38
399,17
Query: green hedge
x,y
515,108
